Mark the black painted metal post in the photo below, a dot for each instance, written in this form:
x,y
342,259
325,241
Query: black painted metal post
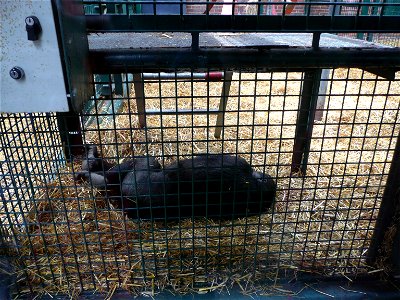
x,y
226,86
140,101
305,120
195,41
71,134
306,115
118,84
319,112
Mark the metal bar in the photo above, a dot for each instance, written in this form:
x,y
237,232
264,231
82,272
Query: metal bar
x,y
127,80
181,111
74,48
129,60
321,100
118,84
139,96
71,134
195,41
222,104
305,121
319,111
310,97
389,207
315,40
307,8
103,85
242,23
313,98
211,76
364,12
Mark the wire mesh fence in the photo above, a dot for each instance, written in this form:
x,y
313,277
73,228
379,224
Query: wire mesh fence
x,y
388,39
247,16
315,8
69,235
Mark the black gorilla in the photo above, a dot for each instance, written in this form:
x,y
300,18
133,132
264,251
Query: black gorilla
x,y
214,185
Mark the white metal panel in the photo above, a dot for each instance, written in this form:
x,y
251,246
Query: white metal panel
x,y
42,89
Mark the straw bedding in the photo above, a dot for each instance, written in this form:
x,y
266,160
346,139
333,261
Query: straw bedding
x,y
321,223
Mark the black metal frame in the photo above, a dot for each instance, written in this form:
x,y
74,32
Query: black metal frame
x,y
240,23
265,58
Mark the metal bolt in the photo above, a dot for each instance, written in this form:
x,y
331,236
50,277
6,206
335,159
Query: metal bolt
x,y
29,21
17,73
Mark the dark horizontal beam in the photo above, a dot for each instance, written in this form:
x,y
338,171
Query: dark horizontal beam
x,y
242,23
181,111
136,60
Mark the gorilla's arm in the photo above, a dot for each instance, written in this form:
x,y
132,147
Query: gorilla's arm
x,y
93,162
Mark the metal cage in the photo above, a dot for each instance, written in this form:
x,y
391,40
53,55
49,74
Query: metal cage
x,y
306,93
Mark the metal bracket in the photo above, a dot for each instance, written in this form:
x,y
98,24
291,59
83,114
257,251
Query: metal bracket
x,y
75,48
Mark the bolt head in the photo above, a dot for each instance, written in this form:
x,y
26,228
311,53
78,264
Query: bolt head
x,y
17,73
29,21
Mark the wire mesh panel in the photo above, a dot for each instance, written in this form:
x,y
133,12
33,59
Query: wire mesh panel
x,y
176,7
29,157
245,16
68,231
209,158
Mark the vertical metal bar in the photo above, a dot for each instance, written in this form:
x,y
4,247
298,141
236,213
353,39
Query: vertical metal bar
x,y
306,115
103,85
387,212
118,89
305,120
337,8
195,41
364,12
374,12
313,103
223,102
139,95
319,111
126,85
331,9
315,40
71,134
307,8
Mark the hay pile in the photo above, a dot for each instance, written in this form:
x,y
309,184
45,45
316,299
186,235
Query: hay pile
x,y
321,223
